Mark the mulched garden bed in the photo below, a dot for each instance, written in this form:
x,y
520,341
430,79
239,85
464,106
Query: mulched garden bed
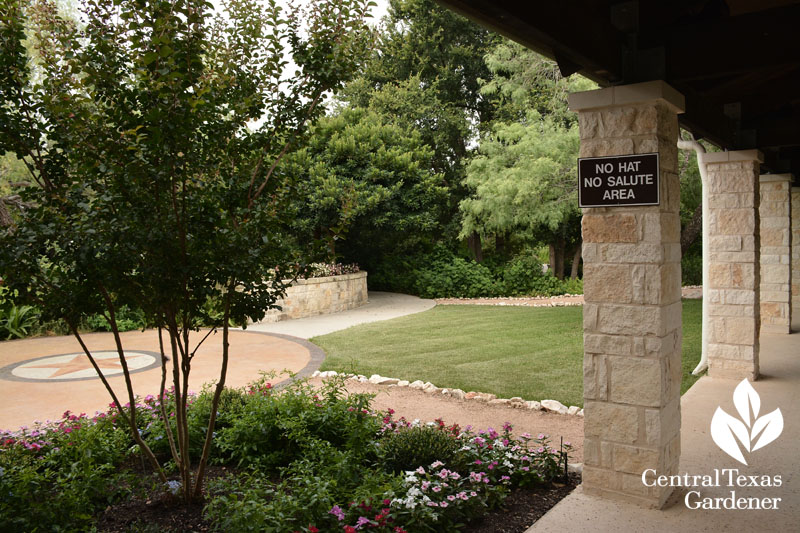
x,y
521,509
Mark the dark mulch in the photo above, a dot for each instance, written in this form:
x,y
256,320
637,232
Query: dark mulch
x,y
522,508
156,515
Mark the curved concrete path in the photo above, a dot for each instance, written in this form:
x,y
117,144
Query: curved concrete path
x,y
42,377
381,306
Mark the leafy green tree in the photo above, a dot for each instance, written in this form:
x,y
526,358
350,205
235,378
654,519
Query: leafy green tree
x,y
153,188
523,181
366,188
531,104
425,74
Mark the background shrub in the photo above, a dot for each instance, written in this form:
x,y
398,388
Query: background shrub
x,y
412,447
454,277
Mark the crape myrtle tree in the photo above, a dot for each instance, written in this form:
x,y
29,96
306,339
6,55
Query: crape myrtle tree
x,y
153,132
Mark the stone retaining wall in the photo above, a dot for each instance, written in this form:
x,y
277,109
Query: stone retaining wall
x,y
321,296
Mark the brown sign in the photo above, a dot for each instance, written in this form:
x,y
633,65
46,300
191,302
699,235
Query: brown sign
x,y
618,180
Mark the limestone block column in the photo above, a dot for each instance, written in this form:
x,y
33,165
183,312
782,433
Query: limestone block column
x,y
775,213
632,290
734,268
796,249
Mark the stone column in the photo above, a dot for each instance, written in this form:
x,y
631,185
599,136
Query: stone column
x,y
796,248
734,273
632,289
775,212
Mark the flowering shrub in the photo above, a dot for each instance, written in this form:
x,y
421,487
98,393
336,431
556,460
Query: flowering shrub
x,y
323,270
58,472
308,460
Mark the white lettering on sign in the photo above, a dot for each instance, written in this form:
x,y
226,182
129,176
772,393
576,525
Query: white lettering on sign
x,y
618,194
597,181
604,168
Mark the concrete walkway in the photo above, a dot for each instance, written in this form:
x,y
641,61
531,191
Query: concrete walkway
x,y
381,306
42,377
779,387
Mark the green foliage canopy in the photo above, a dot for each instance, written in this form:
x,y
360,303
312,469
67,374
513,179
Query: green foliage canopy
x,y
523,179
368,185
153,187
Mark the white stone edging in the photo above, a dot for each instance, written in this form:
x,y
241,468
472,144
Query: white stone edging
x,y
427,387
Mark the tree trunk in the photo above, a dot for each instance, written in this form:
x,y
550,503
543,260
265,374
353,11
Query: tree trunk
x,y
557,258
500,244
576,260
474,243
692,229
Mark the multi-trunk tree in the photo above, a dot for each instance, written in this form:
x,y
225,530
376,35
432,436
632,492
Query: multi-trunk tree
x,y
524,180
153,133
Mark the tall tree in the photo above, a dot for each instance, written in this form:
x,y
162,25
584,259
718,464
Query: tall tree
x,y
425,75
524,178
523,181
152,190
366,188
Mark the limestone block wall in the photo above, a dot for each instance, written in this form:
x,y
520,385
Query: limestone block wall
x,y
796,249
775,212
734,273
320,296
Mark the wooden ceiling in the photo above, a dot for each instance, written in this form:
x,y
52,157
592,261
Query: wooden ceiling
x,y
737,62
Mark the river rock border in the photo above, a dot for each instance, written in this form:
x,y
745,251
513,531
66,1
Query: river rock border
x,y
427,387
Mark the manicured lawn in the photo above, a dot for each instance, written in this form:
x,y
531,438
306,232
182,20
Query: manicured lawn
x,y
535,353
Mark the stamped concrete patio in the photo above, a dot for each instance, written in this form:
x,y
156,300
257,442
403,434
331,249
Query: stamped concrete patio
x,y
42,377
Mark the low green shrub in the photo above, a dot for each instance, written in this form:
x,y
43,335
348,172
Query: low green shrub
x,y
692,268
127,320
455,277
16,321
272,429
409,448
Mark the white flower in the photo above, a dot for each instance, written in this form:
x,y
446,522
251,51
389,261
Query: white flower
x,y
173,486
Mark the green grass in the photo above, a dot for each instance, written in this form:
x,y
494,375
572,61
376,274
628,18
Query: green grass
x,y
535,353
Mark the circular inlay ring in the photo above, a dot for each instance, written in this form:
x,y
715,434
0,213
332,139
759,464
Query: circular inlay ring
x,y
76,366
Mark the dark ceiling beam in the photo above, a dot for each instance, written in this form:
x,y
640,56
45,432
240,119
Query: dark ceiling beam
x,y
561,30
706,119
777,131
734,45
764,80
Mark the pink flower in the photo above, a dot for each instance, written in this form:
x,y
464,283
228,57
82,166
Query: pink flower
x,y
451,498
437,488
337,512
443,504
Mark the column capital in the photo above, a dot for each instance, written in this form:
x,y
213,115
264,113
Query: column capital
x,y
729,157
625,95
767,178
